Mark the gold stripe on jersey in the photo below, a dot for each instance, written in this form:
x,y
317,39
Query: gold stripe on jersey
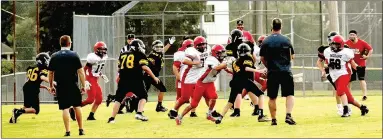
x,y
143,62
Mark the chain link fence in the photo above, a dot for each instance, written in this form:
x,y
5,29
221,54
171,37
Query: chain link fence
x,y
305,23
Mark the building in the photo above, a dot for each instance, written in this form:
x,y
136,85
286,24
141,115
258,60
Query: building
x,y
6,52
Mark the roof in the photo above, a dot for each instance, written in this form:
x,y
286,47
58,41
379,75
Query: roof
x,y
5,49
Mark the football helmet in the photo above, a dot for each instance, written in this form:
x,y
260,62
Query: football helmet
x,y
100,49
219,52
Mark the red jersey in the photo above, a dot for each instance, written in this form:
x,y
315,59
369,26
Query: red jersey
x,y
359,49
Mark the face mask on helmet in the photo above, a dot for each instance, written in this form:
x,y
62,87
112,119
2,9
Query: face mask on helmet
x,y
102,51
243,50
336,47
221,55
201,47
158,46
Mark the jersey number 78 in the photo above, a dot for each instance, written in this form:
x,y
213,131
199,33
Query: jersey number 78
x,y
127,61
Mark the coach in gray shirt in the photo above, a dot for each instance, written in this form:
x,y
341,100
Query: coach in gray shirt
x,y
276,54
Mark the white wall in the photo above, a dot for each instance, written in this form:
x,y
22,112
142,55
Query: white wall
x,y
220,26
217,31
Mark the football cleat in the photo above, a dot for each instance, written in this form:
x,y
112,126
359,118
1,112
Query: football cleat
x,y
91,118
364,98
111,120
161,109
218,120
141,117
178,120
81,132
215,114
193,114
210,117
172,114
364,110
263,118
290,121
274,122
234,114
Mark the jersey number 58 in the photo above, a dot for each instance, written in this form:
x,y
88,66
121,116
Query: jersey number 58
x,y
335,64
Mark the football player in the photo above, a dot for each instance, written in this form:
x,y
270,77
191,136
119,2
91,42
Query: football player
x,y
243,69
95,62
339,59
131,64
156,62
325,71
31,89
205,84
194,59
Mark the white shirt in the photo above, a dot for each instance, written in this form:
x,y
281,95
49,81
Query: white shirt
x,y
340,61
209,74
97,63
193,73
179,56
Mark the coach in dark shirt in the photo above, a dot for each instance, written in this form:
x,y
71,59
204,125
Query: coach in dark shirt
x,y
276,54
65,68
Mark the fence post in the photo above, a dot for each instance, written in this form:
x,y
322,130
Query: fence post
x,y
304,78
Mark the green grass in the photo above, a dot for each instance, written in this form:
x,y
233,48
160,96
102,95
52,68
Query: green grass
x,y
315,117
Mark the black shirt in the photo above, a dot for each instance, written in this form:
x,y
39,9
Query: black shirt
x,y
276,50
65,64
130,65
240,65
34,74
156,62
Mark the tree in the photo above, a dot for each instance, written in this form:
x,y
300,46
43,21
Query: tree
x,y
57,18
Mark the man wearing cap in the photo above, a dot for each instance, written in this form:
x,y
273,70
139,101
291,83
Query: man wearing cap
x,y
276,54
362,51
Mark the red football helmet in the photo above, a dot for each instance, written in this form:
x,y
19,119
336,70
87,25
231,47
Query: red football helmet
x,y
187,43
218,51
200,43
260,39
100,48
337,43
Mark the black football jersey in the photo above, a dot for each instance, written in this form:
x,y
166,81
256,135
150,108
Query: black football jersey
x,y
239,68
34,74
156,62
129,65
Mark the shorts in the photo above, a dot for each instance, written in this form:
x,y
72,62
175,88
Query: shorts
x,y
187,92
360,72
285,79
31,99
137,87
68,96
149,81
237,85
178,89
207,90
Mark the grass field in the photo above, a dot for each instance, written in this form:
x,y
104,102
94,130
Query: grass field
x,y
315,117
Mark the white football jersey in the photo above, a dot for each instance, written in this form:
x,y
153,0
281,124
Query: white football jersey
x,y
97,63
258,63
340,61
193,73
179,56
209,74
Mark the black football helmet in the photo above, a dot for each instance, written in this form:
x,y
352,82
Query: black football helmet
x,y
236,36
244,49
42,59
331,35
137,45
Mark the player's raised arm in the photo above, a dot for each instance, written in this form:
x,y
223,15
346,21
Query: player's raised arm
x,y
169,43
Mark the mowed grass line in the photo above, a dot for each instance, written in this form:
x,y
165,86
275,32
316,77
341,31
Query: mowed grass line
x,y
316,117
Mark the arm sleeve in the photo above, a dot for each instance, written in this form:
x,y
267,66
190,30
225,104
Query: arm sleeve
x,y
291,47
143,60
77,61
91,59
52,66
367,46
